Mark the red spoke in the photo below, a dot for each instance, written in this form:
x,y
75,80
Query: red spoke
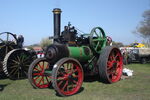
x,y
118,69
114,76
47,66
119,64
40,81
111,58
65,85
62,78
60,83
117,55
113,73
35,81
35,78
75,81
36,74
75,70
72,85
40,66
109,64
110,72
43,80
67,88
37,69
47,80
109,68
75,76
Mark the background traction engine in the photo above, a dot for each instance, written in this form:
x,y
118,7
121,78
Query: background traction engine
x,y
71,57
14,60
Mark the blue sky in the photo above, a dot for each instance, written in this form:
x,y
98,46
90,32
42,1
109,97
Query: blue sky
x,y
34,18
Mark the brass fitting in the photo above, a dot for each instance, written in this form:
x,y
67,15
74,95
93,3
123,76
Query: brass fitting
x,y
57,11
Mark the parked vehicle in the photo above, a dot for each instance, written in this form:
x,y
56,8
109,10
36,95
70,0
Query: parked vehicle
x,y
14,59
132,54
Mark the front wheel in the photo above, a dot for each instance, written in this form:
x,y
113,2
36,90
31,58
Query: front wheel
x,y
67,76
37,75
110,64
143,61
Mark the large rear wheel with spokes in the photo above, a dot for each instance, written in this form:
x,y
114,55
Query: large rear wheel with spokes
x,y
110,64
67,76
16,63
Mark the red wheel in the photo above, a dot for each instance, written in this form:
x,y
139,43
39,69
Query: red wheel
x,y
110,64
37,73
67,76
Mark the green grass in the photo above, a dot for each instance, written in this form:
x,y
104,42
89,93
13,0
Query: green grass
x,y
134,88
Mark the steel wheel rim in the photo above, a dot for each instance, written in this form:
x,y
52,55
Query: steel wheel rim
x,y
39,78
4,49
1,67
69,77
114,65
18,64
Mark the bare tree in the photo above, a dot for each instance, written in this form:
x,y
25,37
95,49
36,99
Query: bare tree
x,y
143,29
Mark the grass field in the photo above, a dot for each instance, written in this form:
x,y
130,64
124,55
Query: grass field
x,y
134,88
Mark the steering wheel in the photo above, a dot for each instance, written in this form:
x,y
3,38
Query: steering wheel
x,y
97,39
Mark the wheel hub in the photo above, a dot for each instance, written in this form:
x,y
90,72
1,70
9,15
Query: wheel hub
x,y
70,77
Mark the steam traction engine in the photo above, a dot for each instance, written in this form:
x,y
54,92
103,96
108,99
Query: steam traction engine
x,y
14,60
71,57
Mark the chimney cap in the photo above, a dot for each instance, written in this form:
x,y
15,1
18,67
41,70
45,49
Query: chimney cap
x,y
57,11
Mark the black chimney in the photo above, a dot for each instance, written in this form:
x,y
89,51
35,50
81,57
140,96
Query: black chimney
x,y
57,23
